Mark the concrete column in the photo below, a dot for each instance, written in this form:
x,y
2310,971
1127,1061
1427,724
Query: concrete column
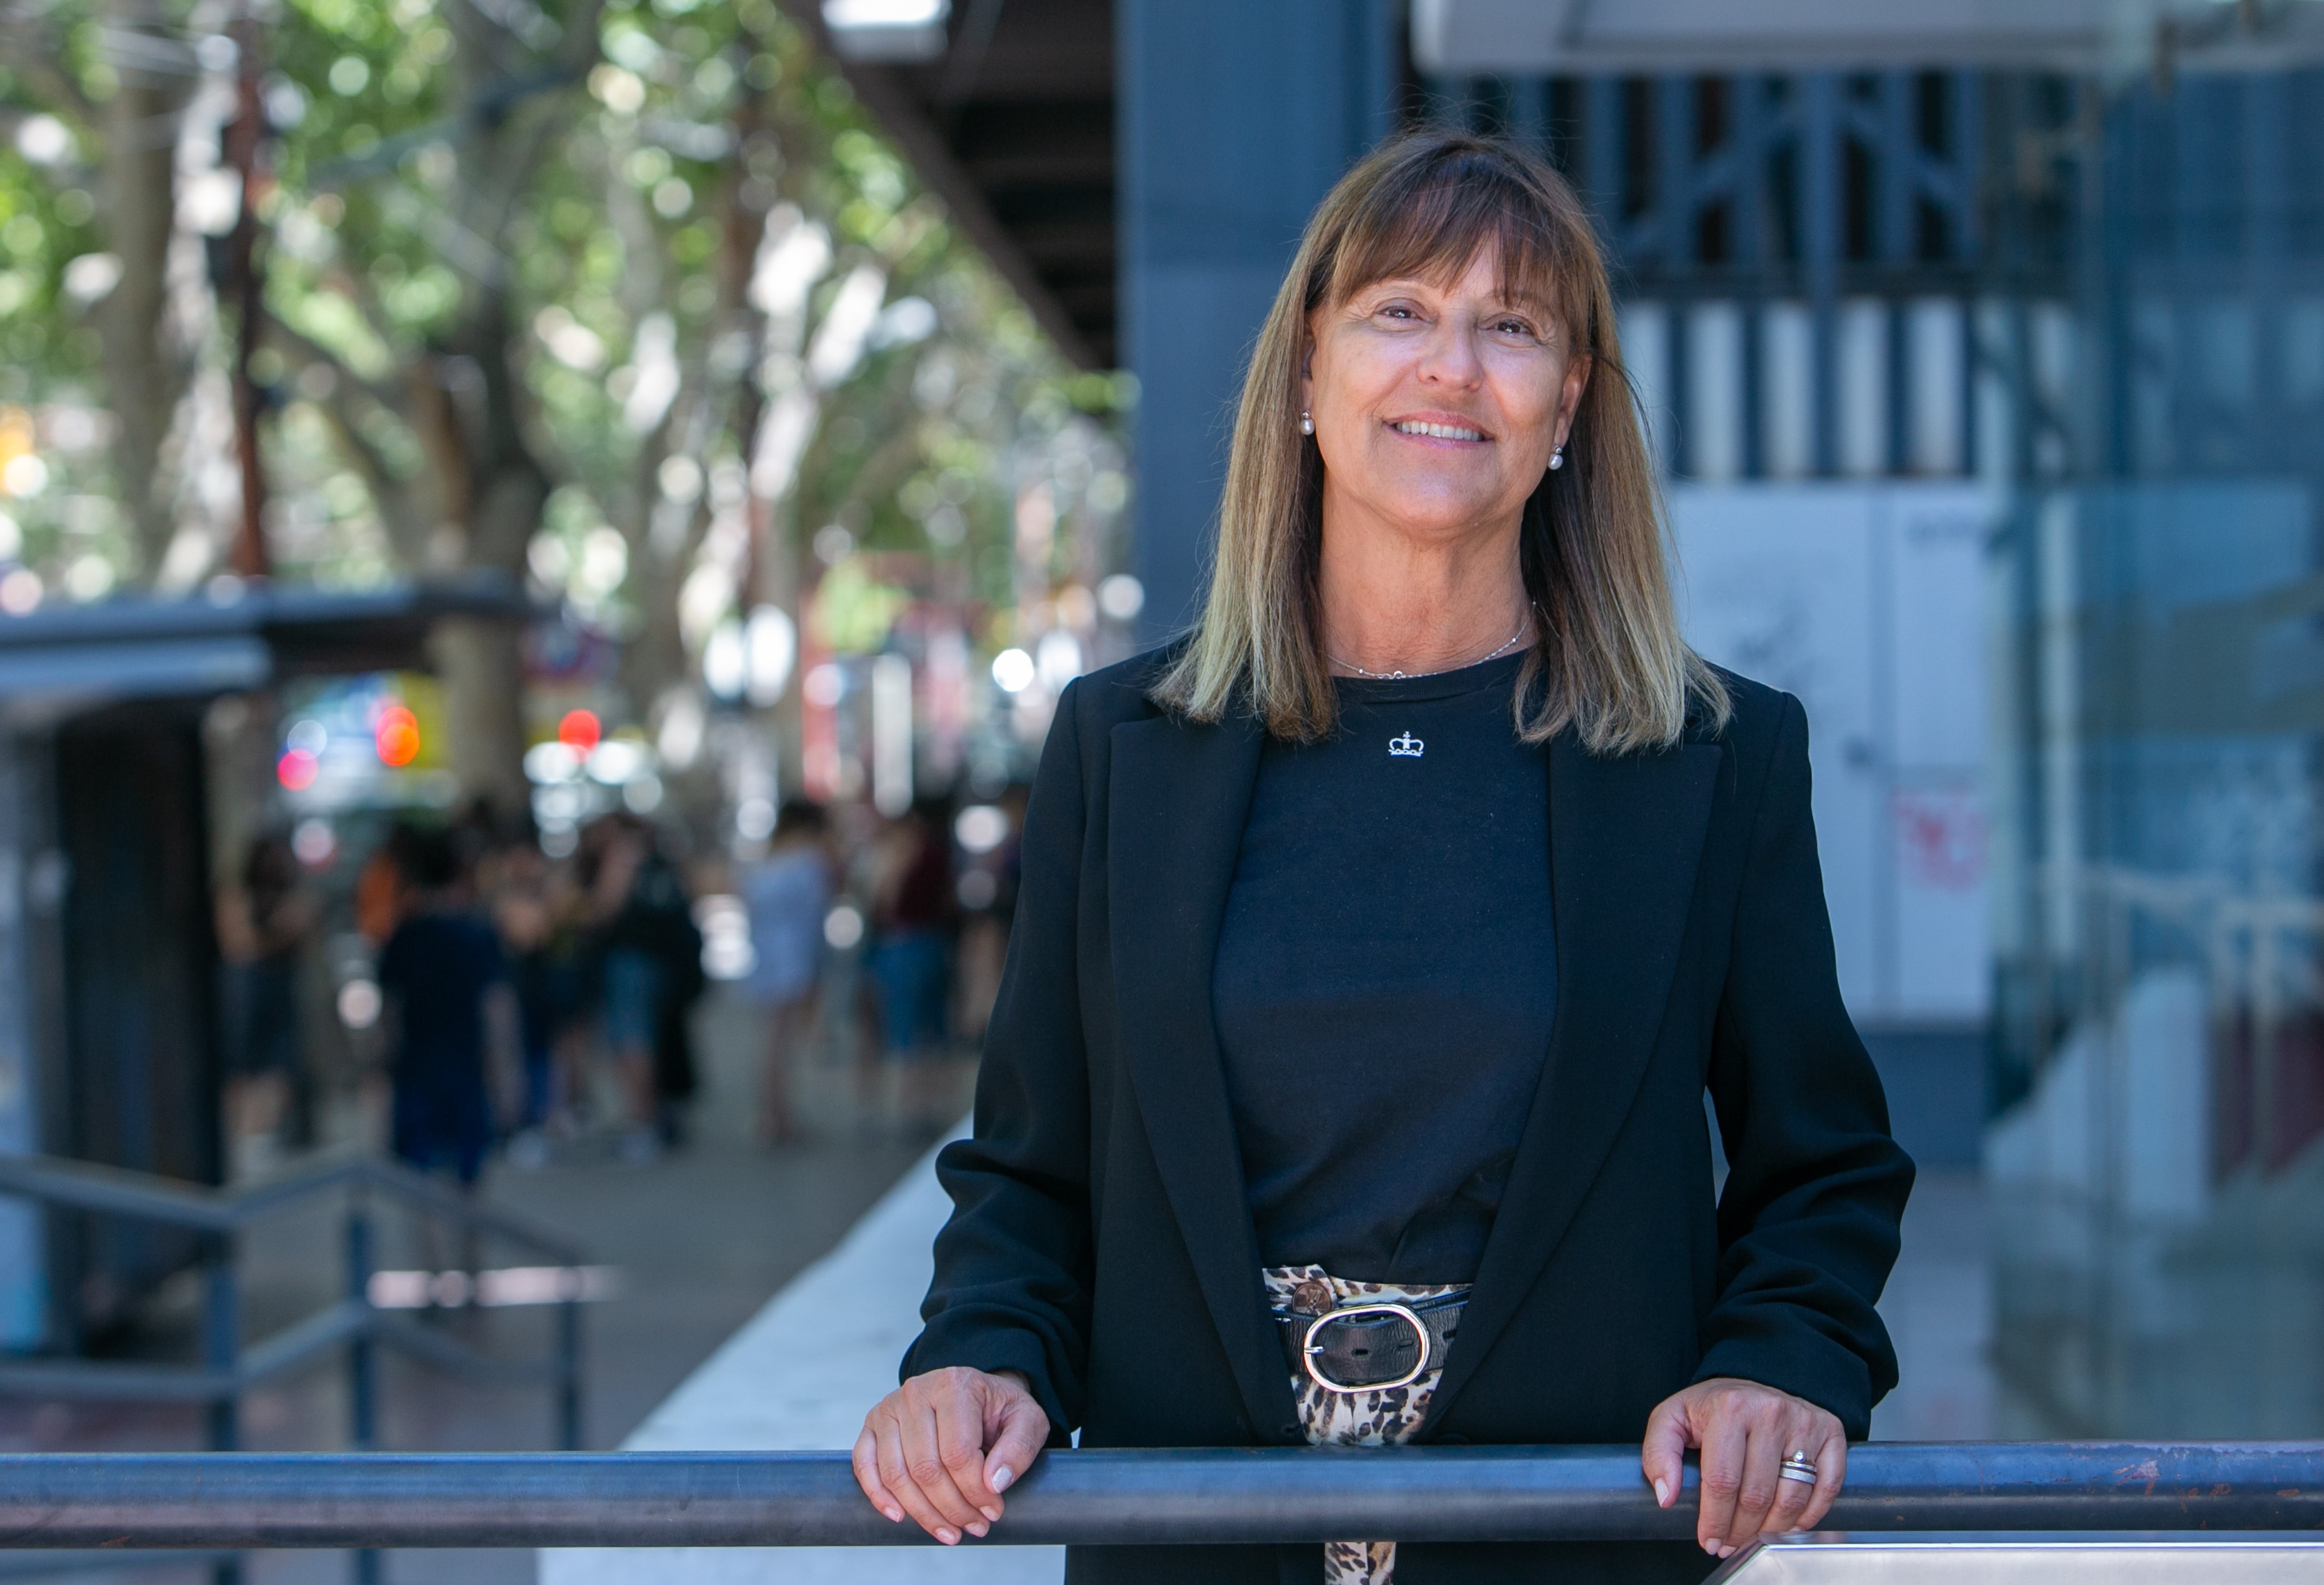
x,y
1234,120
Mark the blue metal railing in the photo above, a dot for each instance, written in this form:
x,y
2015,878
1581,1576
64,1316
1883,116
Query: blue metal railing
x,y
229,1367
1110,1497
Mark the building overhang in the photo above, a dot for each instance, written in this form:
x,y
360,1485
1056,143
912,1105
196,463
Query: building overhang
x,y
1008,119
2107,38
65,660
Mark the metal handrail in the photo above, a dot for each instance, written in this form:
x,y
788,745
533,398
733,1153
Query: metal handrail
x,y
228,1367
1114,1497
119,1192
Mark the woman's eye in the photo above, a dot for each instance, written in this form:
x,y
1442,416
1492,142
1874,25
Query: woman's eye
x,y
1514,328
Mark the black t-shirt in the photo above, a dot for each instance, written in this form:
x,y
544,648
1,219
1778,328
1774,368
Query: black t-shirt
x,y
1386,978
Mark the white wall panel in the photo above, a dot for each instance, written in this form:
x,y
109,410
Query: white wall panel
x,y
1787,391
1714,392
1867,602
1863,334
1934,336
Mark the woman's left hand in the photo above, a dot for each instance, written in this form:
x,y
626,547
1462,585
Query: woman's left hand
x,y
1745,1431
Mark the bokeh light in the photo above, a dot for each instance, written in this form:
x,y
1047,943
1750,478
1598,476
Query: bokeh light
x,y
580,731
396,735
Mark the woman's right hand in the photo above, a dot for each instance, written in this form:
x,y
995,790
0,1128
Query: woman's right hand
x,y
943,1446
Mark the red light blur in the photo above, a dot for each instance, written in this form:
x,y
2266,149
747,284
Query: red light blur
x,y
296,770
579,730
396,735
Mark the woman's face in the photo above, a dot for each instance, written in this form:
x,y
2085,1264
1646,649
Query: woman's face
x,y
1437,404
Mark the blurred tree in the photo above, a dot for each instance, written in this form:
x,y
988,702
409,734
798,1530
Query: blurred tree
x,y
99,93
437,128
625,296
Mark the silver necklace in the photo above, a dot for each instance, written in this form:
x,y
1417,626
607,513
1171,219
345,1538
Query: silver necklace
x,y
1507,644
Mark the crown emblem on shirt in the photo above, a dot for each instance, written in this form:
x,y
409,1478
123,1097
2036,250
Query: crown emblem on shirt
x,y
1404,747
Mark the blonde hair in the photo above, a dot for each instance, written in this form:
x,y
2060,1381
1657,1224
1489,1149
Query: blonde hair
x,y
1607,659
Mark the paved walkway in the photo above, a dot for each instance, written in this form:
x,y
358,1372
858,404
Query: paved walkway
x,y
793,1379
699,1241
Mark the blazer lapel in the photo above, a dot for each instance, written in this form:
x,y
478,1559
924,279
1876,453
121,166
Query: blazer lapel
x,y
1625,838
1180,795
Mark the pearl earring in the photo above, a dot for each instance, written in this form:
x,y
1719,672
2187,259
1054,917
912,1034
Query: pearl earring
x,y
1557,459
1306,423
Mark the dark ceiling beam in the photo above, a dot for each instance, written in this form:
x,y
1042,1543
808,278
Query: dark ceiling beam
x,y
1066,242
1045,167
877,87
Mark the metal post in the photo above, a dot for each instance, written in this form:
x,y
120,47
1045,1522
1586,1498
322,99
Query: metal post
x,y
362,1424
221,1352
1602,149
569,1365
1819,246
1673,230
1747,139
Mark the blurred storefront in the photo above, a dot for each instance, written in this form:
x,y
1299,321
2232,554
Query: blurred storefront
x,y
138,762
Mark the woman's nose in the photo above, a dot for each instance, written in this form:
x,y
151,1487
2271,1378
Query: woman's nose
x,y
1451,357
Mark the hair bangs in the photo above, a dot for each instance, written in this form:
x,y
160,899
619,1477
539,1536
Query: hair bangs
x,y
1434,219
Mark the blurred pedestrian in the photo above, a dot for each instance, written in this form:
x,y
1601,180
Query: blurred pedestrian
x,y
987,893
910,956
451,1017
539,932
264,923
647,971
381,885
787,896
678,942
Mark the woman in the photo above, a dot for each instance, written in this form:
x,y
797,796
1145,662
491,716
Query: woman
x,y
787,896
1378,943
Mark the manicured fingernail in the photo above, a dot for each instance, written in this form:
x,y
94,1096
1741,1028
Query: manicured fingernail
x,y
978,1531
1002,1476
895,1515
1711,1547
992,1514
949,1538
1661,1493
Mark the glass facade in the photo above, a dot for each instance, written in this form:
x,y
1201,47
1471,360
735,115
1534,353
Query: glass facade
x,y
1992,402
2158,1070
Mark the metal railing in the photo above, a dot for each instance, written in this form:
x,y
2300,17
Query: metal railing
x,y
229,1367
1110,1497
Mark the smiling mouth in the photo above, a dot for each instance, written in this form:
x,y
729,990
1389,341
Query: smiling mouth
x,y
1437,431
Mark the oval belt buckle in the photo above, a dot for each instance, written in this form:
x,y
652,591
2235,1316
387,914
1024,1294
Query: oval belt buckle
x,y
1310,1348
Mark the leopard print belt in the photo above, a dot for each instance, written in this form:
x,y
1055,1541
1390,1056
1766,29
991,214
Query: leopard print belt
x,y
1362,1415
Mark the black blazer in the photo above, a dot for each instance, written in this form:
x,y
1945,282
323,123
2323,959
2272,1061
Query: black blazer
x,y
1101,1242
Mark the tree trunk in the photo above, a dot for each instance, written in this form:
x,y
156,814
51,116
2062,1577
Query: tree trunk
x,y
144,378
481,664
466,395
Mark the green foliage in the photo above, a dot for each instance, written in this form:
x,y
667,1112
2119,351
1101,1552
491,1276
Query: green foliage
x,y
434,168
47,220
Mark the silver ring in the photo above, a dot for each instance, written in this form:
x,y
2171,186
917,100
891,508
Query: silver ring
x,y
1799,1466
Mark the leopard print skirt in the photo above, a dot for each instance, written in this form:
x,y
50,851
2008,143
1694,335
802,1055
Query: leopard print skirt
x,y
1374,1418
